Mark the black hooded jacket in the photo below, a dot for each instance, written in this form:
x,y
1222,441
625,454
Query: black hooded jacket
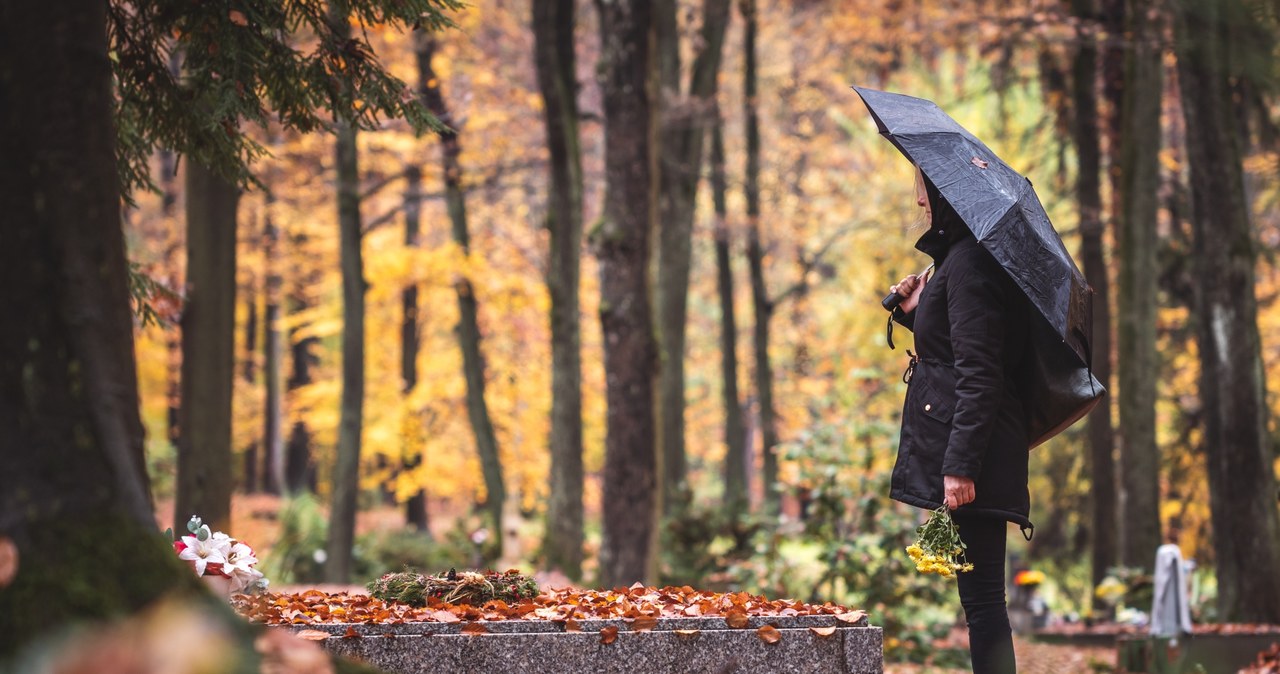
x,y
963,413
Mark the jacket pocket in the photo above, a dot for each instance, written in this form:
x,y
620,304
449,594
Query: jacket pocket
x,y
933,404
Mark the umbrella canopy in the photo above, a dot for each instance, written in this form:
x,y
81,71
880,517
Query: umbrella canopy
x,y
997,203
1005,215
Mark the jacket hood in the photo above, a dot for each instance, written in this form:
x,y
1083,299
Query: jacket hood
x,y
946,227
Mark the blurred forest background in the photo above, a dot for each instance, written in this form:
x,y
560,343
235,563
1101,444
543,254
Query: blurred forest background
x,y
437,349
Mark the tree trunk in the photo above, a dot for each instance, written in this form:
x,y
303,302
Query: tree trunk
x,y
1242,485
208,351
272,358
468,309
346,471
299,473
622,245
1100,462
553,22
684,120
1138,365
1113,83
72,469
416,506
249,372
755,260
735,460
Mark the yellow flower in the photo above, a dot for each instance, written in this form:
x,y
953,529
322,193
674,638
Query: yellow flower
x,y
915,552
965,568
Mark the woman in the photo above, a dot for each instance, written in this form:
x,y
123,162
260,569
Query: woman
x,y
964,432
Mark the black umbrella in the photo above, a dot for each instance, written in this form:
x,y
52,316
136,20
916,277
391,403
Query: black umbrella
x,y
1005,215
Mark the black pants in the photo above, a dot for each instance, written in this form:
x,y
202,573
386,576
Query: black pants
x,y
982,595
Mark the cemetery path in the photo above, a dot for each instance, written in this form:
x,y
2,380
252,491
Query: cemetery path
x,y
1034,658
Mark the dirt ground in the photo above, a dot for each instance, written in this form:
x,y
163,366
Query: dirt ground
x,y
1035,658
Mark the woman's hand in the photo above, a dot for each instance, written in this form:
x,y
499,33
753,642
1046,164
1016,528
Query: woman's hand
x,y
958,490
910,288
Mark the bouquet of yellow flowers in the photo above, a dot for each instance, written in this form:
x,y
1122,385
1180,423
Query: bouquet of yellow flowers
x,y
938,548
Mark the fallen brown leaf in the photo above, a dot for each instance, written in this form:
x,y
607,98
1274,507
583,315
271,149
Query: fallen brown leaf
x,y
442,616
474,628
644,623
688,633
572,625
312,635
737,619
608,635
351,633
851,617
769,634
8,561
823,631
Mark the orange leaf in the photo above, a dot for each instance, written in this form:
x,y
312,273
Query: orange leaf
x,y
474,628
608,634
823,631
737,618
688,633
312,635
572,625
851,617
238,18
644,623
769,634
351,633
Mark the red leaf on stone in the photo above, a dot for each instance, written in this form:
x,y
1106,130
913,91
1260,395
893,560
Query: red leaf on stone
x,y
351,633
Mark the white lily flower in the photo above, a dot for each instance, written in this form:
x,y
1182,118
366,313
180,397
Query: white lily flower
x,y
202,553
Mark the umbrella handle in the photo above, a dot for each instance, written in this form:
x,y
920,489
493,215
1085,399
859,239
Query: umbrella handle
x,y
893,299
